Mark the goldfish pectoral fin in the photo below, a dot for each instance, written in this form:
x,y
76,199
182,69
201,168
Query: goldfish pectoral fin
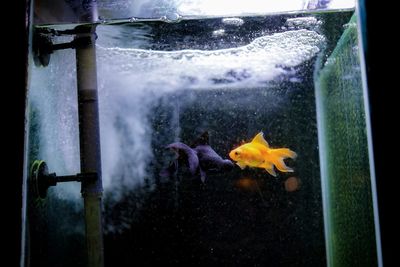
x,y
202,175
269,167
170,170
227,165
165,173
241,165
259,139
193,161
271,171
201,140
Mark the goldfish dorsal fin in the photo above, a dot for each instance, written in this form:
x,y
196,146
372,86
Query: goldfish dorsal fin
x,y
201,140
259,139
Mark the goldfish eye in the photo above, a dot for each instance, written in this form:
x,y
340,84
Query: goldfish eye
x,y
236,153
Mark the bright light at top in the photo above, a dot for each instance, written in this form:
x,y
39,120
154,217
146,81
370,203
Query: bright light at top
x,y
170,9
240,7
231,7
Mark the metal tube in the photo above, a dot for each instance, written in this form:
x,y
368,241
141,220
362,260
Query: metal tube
x,y
90,147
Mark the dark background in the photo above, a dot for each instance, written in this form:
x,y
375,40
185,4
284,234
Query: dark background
x,y
380,54
382,85
14,47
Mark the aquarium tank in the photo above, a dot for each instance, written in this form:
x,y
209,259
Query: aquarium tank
x,y
198,133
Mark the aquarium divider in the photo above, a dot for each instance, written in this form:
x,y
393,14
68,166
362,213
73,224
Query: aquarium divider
x,y
347,178
89,134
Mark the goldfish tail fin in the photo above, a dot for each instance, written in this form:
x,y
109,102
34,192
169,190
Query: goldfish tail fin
x,y
279,155
284,153
280,165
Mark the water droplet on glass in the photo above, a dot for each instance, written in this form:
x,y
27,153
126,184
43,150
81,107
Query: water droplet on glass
x,y
102,20
171,18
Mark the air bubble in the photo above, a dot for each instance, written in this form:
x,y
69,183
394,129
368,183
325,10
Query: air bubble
x,y
133,19
233,21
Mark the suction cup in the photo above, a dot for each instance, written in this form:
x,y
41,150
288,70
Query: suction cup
x,y
42,48
40,179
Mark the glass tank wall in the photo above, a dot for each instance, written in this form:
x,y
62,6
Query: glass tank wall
x,y
180,101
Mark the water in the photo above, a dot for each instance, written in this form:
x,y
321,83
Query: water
x,y
163,82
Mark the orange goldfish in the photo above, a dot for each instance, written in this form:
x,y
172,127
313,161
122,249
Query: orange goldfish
x,y
258,154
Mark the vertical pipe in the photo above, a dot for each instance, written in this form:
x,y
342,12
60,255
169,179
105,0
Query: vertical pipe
x,y
90,146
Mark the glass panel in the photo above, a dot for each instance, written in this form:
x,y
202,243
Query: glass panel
x,y
162,83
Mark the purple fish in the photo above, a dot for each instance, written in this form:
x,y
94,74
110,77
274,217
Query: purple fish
x,y
200,158
187,154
